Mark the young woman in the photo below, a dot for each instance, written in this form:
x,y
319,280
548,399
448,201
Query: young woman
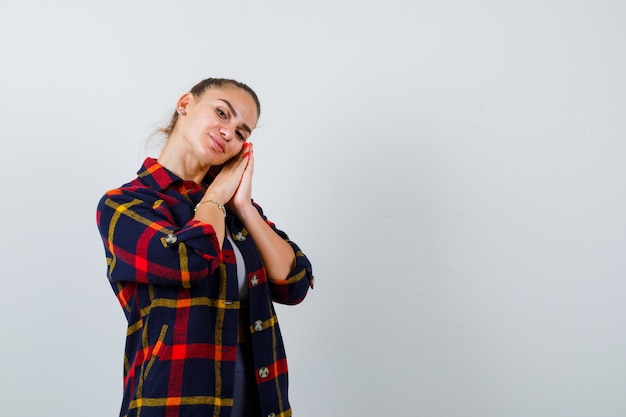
x,y
196,266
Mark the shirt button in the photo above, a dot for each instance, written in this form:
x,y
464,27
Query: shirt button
x,y
254,280
258,326
171,239
264,372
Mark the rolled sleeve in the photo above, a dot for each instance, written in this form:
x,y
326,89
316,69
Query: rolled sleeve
x,y
143,244
295,288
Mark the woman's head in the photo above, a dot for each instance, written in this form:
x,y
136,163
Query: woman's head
x,y
211,124
200,89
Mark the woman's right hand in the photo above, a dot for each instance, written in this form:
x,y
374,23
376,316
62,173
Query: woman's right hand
x,y
225,184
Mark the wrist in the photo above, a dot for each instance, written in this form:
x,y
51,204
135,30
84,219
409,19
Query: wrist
x,y
243,212
212,202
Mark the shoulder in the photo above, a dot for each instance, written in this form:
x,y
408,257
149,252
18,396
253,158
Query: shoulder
x,y
134,188
129,194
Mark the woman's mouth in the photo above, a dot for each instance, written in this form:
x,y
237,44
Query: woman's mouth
x,y
218,144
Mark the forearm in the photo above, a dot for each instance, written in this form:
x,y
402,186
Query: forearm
x,y
211,212
277,255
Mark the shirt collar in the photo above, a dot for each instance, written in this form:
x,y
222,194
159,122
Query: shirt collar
x,y
156,176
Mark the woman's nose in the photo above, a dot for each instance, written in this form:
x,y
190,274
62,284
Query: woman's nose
x,y
226,133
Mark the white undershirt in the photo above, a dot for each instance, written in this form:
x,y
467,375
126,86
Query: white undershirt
x,y
241,268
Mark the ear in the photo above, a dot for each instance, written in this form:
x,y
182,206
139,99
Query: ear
x,y
184,100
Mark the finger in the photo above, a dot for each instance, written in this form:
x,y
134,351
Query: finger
x,y
250,157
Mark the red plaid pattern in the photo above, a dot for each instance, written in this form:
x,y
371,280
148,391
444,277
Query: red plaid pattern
x,y
180,296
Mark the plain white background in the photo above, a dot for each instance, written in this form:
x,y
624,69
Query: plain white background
x,y
455,171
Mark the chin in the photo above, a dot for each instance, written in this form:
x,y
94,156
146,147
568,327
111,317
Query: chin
x,y
222,161
212,158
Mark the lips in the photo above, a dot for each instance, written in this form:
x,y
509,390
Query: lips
x,y
218,144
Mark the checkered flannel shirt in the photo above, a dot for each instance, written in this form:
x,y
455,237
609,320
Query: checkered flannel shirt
x,y
180,295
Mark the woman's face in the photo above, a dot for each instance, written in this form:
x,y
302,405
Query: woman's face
x,y
216,125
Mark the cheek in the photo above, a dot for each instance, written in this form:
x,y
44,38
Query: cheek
x,y
237,148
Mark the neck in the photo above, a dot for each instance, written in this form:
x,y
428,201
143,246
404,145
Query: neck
x,y
182,164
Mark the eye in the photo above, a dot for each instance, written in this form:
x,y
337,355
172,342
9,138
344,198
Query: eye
x,y
240,135
221,113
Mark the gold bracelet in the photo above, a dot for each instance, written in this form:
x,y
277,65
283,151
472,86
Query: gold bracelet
x,y
221,206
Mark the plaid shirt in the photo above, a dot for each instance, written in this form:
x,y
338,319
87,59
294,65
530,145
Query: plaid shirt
x,y
180,295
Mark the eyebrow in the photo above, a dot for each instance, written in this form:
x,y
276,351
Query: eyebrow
x,y
233,111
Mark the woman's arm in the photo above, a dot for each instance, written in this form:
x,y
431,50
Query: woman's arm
x,y
278,256
143,242
300,279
